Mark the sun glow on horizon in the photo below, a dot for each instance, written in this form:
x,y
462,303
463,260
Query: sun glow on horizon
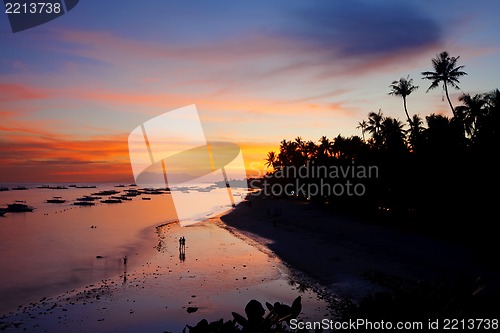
x,y
71,92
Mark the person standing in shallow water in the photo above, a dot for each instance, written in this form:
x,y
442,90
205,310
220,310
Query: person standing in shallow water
x,y
182,249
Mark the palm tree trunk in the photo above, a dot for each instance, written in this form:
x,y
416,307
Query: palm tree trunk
x,y
448,98
406,111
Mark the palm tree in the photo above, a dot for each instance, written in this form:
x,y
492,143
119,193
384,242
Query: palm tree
x,y
286,152
300,154
375,125
271,159
325,146
471,110
444,136
299,141
493,99
403,88
393,134
353,147
311,151
338,146
445,71
363,125
416,133
486,132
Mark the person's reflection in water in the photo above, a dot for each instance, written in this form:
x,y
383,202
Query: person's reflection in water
x,y
125,270
182,250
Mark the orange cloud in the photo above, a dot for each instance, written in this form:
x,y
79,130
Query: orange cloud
x,y
36,155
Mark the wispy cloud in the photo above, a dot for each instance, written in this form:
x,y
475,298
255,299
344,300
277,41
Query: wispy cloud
x,y
258,72
18,92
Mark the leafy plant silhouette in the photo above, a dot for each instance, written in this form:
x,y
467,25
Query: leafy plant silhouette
x,y
254,322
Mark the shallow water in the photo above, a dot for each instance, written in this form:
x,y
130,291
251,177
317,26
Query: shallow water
x,y
54,247
48,259
219,274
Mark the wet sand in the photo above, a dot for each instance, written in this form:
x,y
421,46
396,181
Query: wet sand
x,y
219,274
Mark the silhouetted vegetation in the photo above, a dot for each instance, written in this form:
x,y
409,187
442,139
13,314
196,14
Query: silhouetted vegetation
x,y
446,72
277,319
437,170
404,301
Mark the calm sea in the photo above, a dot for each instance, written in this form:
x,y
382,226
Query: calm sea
x,y
60,246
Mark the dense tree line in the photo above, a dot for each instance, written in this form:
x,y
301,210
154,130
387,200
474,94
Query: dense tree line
x,y
436,168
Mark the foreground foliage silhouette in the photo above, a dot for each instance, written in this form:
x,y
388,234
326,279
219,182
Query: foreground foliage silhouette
x,y
255,322
403,301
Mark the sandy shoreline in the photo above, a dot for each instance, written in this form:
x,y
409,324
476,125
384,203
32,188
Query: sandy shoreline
x,y
349,256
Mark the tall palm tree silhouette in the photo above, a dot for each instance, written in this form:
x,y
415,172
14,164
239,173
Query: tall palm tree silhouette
x,y
363,125
403,88
446,72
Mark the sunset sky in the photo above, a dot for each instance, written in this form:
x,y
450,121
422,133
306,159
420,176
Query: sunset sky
x,y
258,72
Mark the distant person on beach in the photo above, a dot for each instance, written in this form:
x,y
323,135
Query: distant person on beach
x,y
182,248
182,244
125,261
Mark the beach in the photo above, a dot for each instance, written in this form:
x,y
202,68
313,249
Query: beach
x,y
264,249
219,273
354,258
